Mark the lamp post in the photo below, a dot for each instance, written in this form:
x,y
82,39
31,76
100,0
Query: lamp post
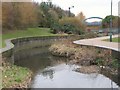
x,y
69,10
111,24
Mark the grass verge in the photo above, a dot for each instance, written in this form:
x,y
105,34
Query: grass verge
x,y
114,39
15,77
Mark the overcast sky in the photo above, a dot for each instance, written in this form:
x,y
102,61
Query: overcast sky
x,y
99,8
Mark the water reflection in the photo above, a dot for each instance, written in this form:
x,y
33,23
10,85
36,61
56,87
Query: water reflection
x,y
37,59
48,73
64,76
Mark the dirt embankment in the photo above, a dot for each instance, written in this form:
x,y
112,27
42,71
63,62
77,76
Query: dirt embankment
x,y
90,58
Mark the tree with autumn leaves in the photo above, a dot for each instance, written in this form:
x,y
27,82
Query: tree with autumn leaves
x,y
18,15
71,25
28,14
21,15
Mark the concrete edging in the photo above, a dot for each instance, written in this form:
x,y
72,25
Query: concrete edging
x,y
97,42
10,43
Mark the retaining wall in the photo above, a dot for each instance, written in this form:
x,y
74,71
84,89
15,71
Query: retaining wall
x,y
16,44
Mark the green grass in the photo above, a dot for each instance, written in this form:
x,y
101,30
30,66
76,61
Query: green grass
x,y
26,33
14,75
114,39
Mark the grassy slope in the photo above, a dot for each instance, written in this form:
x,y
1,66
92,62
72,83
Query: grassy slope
x,y
25,33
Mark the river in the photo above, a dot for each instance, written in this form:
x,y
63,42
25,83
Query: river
x,y
55,72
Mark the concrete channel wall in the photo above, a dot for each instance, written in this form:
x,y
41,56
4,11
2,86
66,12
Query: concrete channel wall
x,y
16,44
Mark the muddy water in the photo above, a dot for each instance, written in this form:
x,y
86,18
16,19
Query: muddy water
x,y
55,72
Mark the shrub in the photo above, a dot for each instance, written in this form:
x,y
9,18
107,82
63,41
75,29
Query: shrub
x,y
69,25
90,35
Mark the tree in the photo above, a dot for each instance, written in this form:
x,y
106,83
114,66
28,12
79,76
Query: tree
x,y
73,23
28,14
51,14
115,22
7,15
106,21
81,18
18,15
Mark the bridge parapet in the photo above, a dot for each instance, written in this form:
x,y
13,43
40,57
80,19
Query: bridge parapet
x,y
93,18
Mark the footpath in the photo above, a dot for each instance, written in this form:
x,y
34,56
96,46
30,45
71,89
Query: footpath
x,y
99,42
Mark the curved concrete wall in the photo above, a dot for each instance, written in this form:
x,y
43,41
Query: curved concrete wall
x,y
16,44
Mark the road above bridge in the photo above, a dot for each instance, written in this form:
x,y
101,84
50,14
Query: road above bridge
x,y
98,42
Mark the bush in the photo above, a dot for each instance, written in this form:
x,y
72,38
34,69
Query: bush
x,y
69,25
90,35
55,28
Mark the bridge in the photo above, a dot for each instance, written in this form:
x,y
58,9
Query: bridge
x,y
93,25
93,18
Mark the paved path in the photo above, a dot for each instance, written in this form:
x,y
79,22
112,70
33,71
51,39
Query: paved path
x,y
97,42
9,45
